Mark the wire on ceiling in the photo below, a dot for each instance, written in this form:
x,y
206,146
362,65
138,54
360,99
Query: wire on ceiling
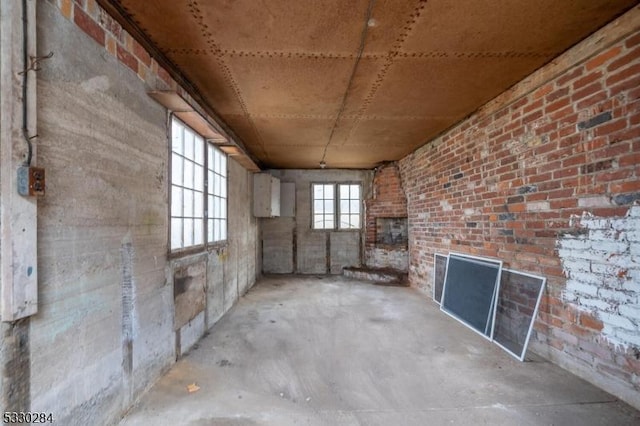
x,y
363,39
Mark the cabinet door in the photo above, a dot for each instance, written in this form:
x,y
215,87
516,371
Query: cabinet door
x,y
275,197
266,195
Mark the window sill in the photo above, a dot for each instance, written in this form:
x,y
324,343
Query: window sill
x,y
193,251
336,230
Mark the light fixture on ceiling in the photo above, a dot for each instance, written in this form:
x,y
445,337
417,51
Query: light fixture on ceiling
x,y
323,164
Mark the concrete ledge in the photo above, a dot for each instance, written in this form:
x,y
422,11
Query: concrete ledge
x,y
380,276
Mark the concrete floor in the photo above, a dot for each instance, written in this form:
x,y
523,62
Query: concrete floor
x,y
328,351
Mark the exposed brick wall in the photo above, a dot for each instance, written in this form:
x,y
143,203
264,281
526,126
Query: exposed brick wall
x,y
601,261
506,182
388,200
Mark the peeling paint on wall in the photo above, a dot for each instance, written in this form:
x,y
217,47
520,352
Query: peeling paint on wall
x,y
601,261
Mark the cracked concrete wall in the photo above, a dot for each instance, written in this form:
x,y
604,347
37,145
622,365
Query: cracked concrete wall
x,y
105,328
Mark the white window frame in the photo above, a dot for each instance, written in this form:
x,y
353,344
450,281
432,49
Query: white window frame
x,y
217,195
331,209
198,191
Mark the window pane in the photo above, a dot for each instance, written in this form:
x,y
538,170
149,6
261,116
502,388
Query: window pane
x,y
210,206
223,230
344,206
199,150
328,206
210,157
355,191
223,165
355,206
187,203
317,192
318,206
176,201
216,184
318,221
210,182
223,208
188,232
198,178
176,137
198,231
216,230
216,161
176,169
210,230
176,233
188,144
188,174
343,191
355,221
328,222
198,204
223,187
344,221
328,192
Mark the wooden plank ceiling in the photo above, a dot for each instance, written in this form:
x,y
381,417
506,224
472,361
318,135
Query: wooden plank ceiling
x,y
358,82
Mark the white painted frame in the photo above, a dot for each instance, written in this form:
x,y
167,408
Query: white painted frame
x,y
485,260
433,286
533,316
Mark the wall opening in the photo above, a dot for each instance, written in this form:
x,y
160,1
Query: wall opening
x,y
392,232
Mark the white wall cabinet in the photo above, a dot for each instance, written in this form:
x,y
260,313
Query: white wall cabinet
x,y
266,195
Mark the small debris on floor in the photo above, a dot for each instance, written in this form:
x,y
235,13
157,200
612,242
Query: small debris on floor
x,y
193,388
224,363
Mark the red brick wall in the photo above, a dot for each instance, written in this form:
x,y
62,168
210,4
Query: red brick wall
x,y
506,181
389,200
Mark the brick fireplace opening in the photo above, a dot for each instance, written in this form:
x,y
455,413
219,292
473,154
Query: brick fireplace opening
x,y
392,232
387,232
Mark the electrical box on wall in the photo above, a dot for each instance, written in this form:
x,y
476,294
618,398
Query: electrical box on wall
x,y
266,195
31,181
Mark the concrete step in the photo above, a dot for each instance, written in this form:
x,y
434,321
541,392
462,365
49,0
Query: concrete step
x,y
379,276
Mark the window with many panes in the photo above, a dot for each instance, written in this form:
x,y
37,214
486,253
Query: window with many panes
x,y
198,198
349,206
336,206
216,195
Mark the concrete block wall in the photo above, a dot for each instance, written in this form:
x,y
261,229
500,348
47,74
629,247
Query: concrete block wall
x,y
510,180
105,328
388,200
289,245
